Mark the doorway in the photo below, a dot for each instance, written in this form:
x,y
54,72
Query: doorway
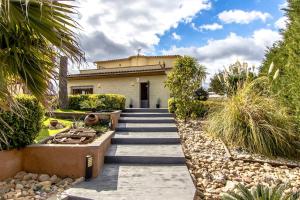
x,y
144,95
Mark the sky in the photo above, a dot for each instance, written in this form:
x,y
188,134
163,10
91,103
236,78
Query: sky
x,y
216,32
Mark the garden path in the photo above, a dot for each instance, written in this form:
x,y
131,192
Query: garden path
x,y
145,162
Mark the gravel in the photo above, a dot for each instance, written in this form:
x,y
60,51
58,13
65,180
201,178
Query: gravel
x,y
214,173
30,186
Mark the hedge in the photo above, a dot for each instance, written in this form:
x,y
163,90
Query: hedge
x,y
199,108
110,101
21,129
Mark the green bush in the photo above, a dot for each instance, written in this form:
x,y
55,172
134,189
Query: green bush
x,y
110,101
201,94
198,108
21,129
256,121
91,104
171,105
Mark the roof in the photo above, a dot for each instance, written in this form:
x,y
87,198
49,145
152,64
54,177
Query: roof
x,y
121,71
130,57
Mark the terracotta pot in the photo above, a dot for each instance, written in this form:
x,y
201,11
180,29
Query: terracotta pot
x,y
91,120
53,122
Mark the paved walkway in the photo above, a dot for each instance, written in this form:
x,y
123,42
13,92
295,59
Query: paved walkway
x,y
145,162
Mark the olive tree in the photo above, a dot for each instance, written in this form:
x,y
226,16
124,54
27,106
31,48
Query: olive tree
x,y
184,79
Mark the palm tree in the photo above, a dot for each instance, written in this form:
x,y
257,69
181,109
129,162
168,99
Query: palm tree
x,y
32,34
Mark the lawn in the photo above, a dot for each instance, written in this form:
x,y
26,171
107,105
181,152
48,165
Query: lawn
x,y
45,132
69,110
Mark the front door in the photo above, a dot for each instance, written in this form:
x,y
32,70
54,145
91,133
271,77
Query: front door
x,y
144,94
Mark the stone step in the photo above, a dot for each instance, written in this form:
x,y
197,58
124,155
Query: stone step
x,y
146,110
146,138
146,127
141,114
128,182
145,154
146,120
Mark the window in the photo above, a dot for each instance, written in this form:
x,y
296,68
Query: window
x,y
82,90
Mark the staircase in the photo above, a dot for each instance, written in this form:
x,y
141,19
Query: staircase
x,y
145,161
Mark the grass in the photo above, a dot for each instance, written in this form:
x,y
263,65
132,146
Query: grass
x,y
46,132
255,121
69,110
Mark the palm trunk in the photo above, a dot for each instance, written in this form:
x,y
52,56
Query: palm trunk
x,y
63,89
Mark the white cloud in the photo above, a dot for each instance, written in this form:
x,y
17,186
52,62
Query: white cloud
x,y
242,17
116,29
283,5
175,36
219,53
281,23
210,27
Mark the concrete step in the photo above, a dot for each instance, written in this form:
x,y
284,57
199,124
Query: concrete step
x,y
146,127
146,120
144,114
128,182
146,110
145,154
146,138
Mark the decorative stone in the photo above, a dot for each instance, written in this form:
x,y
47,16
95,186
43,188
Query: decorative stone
x,y
19,187
54,179
43,177
20,175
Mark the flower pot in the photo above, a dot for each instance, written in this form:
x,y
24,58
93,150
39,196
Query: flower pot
x,y
53,122
91,120
157,105
130,106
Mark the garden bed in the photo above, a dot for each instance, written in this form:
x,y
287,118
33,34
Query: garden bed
x,y
214,172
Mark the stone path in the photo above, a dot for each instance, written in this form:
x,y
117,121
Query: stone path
x,y
145,162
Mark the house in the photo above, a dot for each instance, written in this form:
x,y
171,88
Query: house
x,y
140,78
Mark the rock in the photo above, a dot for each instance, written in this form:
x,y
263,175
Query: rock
x,y
34,176
45,183
230,185
68,180
54,179
20,175
78,180
27,177
19,187
43,177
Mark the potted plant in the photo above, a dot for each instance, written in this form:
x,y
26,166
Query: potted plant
x,y
158,103
130,104
53,122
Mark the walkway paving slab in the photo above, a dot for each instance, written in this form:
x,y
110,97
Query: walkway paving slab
x,y
146,138
145,154
146,120
137,182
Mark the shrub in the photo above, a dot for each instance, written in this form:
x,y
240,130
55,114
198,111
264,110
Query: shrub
x,y
171,105
260,192
256,121
201,94
110,101
91,104
183,80
21,129
198,108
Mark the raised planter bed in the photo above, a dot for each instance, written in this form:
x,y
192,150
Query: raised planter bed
x,y
64,160
112,116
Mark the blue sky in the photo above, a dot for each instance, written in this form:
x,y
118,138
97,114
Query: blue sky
x,y
189,36
216,32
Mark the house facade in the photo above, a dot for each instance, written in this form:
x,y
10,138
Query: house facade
x,y
139,78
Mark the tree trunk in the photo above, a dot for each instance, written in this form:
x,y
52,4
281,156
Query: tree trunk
x,y
63,83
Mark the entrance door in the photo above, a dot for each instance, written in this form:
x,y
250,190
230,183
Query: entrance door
x,y
144,94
